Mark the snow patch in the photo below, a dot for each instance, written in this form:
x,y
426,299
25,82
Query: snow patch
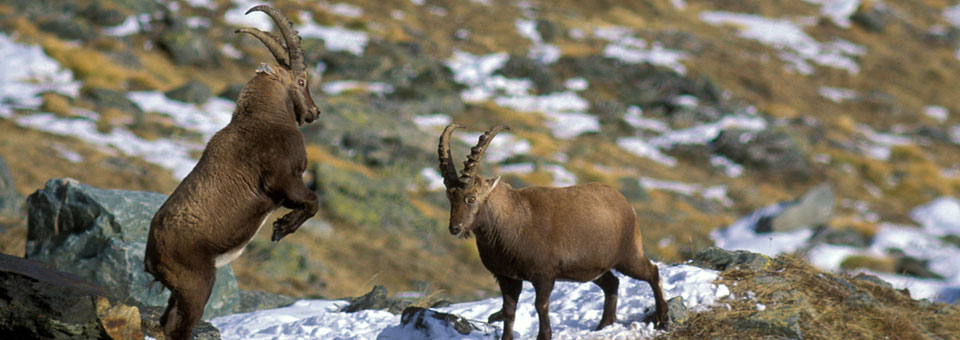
x,y
27,71
796,47
716,193
839,11
170,154
433,179
334,38
431,122
938,113
129,26
836,94
624,46
345,10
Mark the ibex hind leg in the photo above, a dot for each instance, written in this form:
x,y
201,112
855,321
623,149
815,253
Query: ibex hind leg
x,y
609,283
188,297
641,268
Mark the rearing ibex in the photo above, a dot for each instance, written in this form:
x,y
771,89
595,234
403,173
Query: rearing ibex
x,y
542,234
248,169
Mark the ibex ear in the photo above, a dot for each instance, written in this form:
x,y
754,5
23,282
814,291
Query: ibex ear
x,y
266,68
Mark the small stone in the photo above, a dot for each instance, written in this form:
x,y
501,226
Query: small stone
x,y
419,317
677,311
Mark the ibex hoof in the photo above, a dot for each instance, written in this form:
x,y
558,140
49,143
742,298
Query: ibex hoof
x,y
281,228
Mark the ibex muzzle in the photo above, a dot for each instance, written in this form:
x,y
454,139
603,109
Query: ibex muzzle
x,y
543,234
248,169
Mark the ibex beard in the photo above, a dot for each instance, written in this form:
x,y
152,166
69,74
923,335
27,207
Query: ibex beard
x,y
544,234
248,169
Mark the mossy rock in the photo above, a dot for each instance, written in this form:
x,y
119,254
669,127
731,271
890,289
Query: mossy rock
x,y
784,322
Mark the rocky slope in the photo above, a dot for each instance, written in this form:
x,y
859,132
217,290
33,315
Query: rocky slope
x,y
700,112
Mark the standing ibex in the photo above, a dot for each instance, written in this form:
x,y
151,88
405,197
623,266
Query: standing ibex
x,y
248,169
542,234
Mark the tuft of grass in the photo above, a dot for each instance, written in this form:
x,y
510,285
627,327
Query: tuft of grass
x,y
56,104
13,239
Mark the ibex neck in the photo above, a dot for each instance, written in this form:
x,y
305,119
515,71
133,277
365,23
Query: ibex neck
x,y
506,215
264,99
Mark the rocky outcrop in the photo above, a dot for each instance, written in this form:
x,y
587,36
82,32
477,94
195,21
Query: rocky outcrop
x,y
722,259
100,235
39,302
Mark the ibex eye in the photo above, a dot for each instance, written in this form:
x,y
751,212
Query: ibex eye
x,y
471,200
300,82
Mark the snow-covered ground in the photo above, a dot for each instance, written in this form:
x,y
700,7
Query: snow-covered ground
x,y
575,309
937,218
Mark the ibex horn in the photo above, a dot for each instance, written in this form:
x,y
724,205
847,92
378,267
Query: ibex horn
x,y
470,166
272,42
447,169
289,35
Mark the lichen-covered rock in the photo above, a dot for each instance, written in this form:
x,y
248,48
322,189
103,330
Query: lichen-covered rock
x,y
10,200
722,259
100,235
677,311
784,322
38,302
191,92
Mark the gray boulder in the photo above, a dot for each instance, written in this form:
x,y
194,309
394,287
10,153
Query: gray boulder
x,y
814,208
38,302
9,198
100,235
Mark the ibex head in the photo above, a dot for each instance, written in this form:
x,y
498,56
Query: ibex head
x,y
292,71
468,192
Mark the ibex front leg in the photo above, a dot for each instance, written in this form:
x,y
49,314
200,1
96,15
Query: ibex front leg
x,y
299,198
543,287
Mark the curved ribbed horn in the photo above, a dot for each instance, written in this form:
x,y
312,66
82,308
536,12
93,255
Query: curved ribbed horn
x,y
470,167
290,36
447,169
272,42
